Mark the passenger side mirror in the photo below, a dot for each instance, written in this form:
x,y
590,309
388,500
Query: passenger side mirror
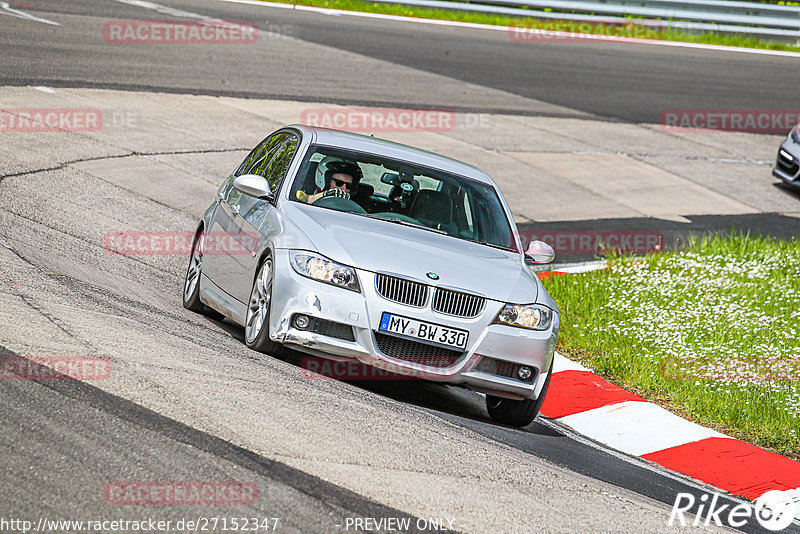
x,y
539,252
253,185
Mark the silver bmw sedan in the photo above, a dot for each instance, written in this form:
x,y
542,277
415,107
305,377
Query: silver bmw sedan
x,y
353,248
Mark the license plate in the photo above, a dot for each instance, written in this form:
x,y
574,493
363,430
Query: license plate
x,y
424,331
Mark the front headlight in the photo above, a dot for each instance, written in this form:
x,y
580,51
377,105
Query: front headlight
x,y
320,268
532,316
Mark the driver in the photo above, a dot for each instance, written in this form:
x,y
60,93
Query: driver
x,y
333,177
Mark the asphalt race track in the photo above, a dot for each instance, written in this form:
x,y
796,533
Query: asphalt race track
x,y
618,81
185,399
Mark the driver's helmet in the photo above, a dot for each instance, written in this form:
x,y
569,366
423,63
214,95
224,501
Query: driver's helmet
x,y
330,165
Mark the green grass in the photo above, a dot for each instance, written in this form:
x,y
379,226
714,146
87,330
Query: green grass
x,y
482,18
711,332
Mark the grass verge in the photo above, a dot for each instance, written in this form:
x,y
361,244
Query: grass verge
x,y
630,30
711,333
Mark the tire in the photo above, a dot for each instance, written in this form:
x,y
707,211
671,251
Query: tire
x,y
191,284
256,329
517,412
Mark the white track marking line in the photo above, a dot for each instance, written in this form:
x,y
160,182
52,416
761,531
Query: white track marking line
x,y
44,89
677,44
164,9
637,428
11,12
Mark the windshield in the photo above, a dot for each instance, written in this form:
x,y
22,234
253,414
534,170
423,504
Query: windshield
x,y
403,193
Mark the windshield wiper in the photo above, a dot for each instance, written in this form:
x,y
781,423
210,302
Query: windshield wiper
x,y
488,244
406,223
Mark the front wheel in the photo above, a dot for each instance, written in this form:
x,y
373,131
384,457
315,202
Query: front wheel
x,y
256,329
517,412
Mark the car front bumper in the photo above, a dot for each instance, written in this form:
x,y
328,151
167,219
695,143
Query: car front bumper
x,y
487,343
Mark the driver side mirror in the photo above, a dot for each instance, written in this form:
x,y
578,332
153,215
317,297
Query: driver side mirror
x,y
539,252
254,185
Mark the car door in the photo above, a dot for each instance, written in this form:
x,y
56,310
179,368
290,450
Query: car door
x,y
224,250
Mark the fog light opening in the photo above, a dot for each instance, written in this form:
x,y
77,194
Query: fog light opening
x,y
524,372
301,322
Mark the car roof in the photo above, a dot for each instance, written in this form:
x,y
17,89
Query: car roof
x,y
390,149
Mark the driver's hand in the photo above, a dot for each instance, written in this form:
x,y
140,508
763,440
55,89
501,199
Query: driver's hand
x,y
341,193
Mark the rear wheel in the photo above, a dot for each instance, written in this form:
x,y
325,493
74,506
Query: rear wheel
x,y
517,412
256,329
191,284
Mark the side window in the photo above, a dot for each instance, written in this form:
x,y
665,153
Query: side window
x,y
257,160
430,184
270,159
372,176
275,169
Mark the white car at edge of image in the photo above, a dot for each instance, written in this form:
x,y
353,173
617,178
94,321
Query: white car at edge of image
x,y
419,270
787,165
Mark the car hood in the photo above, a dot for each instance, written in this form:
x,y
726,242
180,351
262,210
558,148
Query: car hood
x,y
376,245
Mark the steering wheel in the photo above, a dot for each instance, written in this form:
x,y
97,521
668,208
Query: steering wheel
x,y
340,204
